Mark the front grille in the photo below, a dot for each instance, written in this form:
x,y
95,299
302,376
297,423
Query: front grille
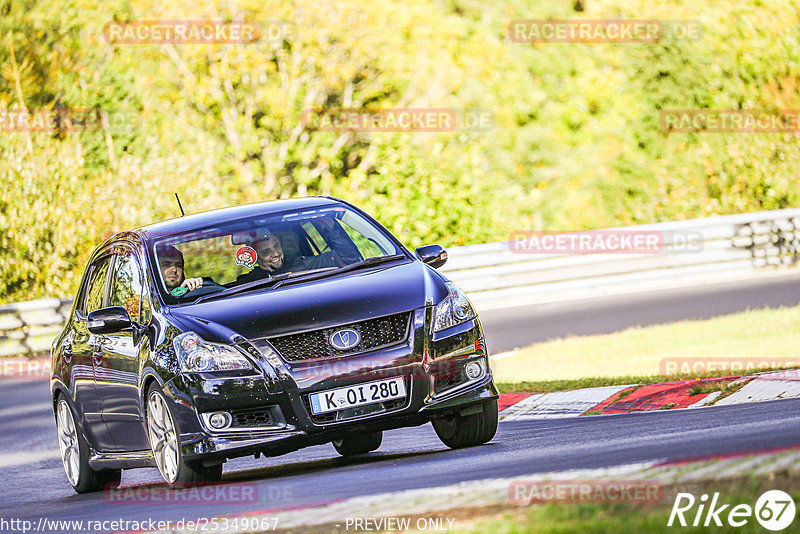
x,y
251,417
314,345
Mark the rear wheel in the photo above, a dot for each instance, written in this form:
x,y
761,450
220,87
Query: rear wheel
x,y
163,432
358,444
75,454
457,431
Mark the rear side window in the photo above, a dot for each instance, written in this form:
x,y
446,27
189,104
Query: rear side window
x,y
97,285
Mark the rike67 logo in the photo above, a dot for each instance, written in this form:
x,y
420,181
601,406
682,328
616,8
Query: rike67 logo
x,y
774,510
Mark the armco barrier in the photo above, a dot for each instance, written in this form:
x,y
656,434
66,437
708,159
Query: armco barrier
x,y
28,328
731,245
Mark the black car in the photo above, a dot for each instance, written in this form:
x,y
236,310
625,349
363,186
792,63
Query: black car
x,y
262,329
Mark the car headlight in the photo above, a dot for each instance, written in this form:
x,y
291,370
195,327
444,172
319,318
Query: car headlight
x,y
454,309
195,354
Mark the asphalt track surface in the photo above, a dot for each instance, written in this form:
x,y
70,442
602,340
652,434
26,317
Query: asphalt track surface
x,y
520,326
34,484
408,459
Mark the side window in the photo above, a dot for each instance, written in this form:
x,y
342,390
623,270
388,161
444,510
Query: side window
x,y
146,312
84,291
126,285
366,246
97,285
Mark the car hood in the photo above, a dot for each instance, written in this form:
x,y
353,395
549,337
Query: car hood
x,y
324,303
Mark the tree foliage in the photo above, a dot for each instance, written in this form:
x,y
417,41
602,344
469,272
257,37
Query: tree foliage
x,y
576,141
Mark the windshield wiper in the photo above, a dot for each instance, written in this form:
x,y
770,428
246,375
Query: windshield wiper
x,y
255,284
301,276
375,260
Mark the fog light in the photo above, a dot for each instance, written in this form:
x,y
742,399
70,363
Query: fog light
x,y
218,420
474,370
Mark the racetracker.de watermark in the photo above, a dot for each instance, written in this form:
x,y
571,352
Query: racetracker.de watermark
x,y
200,494
195,31
195,524
585,491
603,31
730,121
25,369
441,365
72,120
398,120
676,366
604,242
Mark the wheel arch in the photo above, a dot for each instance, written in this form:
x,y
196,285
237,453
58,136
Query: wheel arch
x,y
149,378
60,389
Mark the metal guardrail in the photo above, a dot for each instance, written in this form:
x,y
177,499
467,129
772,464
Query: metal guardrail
x,y
693,250
28,328
729,245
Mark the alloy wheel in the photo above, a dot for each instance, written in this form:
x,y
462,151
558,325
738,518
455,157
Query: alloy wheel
x,y
68,442
163,438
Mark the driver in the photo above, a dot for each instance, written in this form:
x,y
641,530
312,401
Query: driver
x,y
170,261
271,257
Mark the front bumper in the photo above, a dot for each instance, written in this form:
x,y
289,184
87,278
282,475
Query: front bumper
x,y
432,366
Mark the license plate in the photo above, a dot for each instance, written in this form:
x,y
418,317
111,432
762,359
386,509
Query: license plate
x,y
358,395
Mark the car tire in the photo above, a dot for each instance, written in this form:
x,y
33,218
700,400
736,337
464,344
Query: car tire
x,y
163,433
74,449
457,431
358,443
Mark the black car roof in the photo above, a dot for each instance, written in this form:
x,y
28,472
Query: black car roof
x,y
206,218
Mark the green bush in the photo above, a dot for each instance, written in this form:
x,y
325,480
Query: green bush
x,y
576,142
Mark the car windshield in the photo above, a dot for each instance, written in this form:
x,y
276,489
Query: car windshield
x,y
280,247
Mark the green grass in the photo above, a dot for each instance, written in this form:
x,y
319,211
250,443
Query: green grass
x,y
635,355
726,388
700,389
601,518
730,389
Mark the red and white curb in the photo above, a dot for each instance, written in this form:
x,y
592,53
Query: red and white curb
x,y
559,403
766,386
664,396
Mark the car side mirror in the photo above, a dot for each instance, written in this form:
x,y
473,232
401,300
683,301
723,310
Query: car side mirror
x,y
433,255
108,320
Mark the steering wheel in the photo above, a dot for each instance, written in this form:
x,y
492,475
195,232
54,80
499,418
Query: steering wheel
x,y
209,286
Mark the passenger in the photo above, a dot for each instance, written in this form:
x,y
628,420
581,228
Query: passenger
x,y
272,260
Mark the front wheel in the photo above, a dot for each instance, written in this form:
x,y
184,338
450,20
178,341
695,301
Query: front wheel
x,y
358,444
164,442
457,431
75,454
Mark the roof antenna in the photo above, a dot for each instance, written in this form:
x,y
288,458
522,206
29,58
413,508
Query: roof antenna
x,y
179,204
